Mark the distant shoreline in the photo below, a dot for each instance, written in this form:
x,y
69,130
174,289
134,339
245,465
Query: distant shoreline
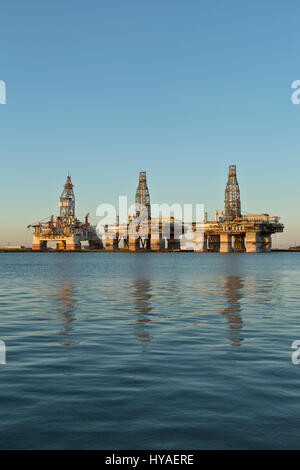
x,y
120,250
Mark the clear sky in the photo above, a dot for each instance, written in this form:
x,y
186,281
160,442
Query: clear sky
x,y
179,88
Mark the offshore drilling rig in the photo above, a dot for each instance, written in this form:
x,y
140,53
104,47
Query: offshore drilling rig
x,y
142,231
229,232
233,232
67,231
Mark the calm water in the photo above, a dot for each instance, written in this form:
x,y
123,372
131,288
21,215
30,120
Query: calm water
x,y
138,351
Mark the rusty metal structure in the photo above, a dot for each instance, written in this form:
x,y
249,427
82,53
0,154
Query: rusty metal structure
x,y
229,232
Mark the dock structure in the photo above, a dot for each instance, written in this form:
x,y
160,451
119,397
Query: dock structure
x,y
230,232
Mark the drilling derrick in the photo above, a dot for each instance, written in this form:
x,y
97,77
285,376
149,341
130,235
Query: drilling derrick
x,y
232,196
67,231
142,195
67,203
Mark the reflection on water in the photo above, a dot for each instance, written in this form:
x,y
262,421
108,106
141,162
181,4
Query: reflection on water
x,y
142,294
66,304
61,300
233,293
175,308
179,300
65,307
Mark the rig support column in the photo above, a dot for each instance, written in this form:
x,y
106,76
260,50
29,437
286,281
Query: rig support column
x,y
252,242
157,244
134,243
200,242
225,243
73,243
38,244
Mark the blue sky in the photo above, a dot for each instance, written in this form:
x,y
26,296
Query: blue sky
x,y
181,89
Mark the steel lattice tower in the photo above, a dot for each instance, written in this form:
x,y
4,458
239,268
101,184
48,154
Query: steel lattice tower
x,y
142,195
232,196
67,203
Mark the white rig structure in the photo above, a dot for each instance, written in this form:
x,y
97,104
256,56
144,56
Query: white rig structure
x,y
67,231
